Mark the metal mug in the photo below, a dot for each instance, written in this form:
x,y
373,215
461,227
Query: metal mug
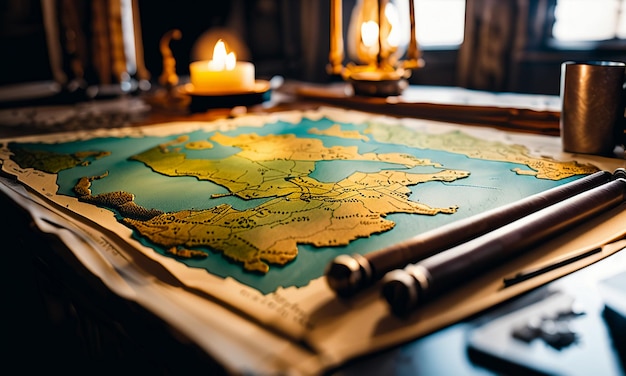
x,y
592,112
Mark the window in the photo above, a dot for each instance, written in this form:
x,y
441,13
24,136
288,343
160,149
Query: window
x,y
439,23
589,20
440,28
518,46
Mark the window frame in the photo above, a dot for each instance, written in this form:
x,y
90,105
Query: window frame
x,y
536,66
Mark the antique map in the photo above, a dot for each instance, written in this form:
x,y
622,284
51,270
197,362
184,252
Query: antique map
x,y
252,209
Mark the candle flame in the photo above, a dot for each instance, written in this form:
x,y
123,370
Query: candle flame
x,y
222,60
369,33
231,61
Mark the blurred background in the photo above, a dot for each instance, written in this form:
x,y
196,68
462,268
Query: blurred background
x,y
494,45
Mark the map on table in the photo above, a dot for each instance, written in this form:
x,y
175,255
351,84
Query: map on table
x,y
271,201
246,214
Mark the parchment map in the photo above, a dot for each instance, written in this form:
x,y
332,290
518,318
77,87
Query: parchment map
x,y
279,171
224,229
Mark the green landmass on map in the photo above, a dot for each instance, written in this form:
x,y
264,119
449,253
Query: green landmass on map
x,y
298,209
52,162
462,143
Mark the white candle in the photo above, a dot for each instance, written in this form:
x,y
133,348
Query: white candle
x,y
222,74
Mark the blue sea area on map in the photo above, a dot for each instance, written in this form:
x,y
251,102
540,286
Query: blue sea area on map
x,y
491,184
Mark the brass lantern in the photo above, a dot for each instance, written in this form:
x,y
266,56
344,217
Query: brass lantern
x,y
377,39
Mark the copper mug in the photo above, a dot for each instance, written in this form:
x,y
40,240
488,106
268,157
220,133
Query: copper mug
x,y
592,112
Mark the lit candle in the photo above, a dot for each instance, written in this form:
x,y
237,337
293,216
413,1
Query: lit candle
x,y
222,74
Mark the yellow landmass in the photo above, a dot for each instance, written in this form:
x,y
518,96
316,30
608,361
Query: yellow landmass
x,y
302,210
199,145
266,165
336,131
321,214
292,148
165,147
187,253
461,143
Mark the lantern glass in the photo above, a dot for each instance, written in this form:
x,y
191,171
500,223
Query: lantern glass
x,y
369,39
379,34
